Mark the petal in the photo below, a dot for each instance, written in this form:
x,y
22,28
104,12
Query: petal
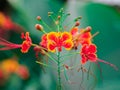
x,y
44,37
85,34
22,36
27,37
66,36
68,44
84,59
92,57
25,47
92,48
43,44
51,46
87,49
85,41
74,31
53,36
84,49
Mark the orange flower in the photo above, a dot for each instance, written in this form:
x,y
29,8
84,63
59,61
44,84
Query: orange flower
x,y
59,39
85,37
9,66
24,46
88,52
82,37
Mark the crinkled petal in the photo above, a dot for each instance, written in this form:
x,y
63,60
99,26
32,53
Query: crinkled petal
x,y
92,48
27,37
25,47
85,41
44,37
92,57
51,46
53,36
84,59
84,49
85,34
66,36
74,31
68,44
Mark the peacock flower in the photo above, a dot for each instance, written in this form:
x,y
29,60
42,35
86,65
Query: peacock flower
x,y
82,37
25,46
26,43
59,40
85,37
88,52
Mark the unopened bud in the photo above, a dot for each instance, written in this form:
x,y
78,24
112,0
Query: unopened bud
x,y
77,23
88,29
78,18
49,13
57,22
59,17
39,27
38,18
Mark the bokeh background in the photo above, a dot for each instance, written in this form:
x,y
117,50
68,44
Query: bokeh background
x,y
18,16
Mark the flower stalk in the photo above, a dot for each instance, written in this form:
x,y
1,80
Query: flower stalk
x,y
59,72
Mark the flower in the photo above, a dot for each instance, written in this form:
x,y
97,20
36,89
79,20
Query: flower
x,y
82,37
85,37
59,39
88,52
24,46
9,66
26,43
23,72
5,21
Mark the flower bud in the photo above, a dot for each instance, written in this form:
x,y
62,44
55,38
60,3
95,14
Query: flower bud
x,y
59,17
38,18
39,27
49,13
88,28
77,23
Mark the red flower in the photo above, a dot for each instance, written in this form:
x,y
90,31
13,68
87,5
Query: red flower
x,y
26,43
24,46
88,52
58,39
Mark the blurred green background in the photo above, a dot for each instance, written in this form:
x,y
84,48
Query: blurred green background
x,y
102,18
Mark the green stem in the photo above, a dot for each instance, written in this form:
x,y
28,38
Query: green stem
x,y
58,28
45,25
45,64
59,73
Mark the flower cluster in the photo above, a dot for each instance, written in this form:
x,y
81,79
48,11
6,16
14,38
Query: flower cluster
x,y
55,41
84,38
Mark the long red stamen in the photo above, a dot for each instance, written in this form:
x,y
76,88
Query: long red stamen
x,y
112,65
8,45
